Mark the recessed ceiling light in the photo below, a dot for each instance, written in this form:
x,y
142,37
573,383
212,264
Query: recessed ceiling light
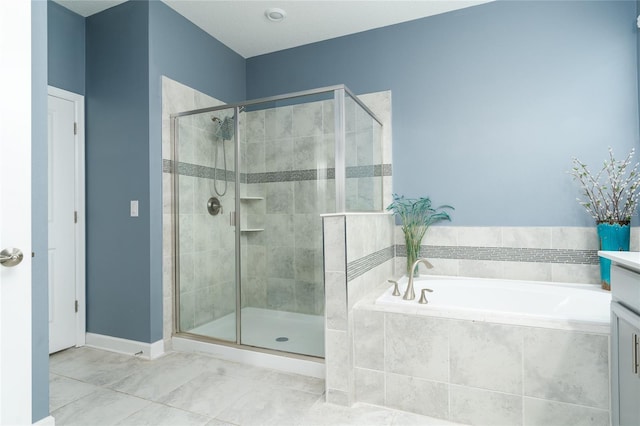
x,y
275,14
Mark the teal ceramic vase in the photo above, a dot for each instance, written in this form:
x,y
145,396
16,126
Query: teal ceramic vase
x,y
613,237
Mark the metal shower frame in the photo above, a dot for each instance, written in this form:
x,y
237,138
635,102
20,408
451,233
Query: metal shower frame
x,y
339,94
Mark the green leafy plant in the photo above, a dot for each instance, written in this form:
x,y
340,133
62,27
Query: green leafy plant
x,y
416,215
612,194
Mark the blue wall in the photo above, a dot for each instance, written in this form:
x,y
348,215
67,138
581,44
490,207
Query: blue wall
x,y
39,217
489,103
183,52
129,47
117,169
66,48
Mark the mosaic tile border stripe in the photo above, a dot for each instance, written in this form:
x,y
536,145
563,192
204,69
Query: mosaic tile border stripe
x,y
364,264
193,170
188,169
290,176
506,254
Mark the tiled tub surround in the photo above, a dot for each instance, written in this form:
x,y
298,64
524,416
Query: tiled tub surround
x,y
477,372
555,254
358,252
467,371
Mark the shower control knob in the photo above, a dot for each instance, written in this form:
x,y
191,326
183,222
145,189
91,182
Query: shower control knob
x,y
214,207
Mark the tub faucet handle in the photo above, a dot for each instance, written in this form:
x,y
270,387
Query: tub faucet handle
x,y
423,296
396,292
410,294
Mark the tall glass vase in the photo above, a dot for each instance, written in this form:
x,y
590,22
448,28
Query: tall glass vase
x,y
613,237
412,240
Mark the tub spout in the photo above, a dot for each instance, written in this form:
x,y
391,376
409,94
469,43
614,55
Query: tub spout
x,y
410,294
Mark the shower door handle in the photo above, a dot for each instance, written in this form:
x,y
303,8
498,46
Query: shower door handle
x,y
635,361
232,218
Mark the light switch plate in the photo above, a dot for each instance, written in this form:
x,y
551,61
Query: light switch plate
x,y
134,208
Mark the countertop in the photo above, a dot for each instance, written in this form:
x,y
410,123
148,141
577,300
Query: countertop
x,y
630,259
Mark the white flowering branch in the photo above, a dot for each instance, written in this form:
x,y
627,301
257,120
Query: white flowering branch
x,y
611,195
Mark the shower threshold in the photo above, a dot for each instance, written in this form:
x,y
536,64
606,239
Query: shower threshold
x,y
270,329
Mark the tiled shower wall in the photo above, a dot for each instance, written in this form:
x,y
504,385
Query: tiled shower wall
x,y
554,254
207,282
198,297
287,151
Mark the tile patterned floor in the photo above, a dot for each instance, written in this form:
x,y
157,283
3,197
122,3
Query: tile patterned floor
x,y
93,387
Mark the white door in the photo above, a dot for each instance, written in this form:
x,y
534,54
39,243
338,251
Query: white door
x,y
62,218
15,211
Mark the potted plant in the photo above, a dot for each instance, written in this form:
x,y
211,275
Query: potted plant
x,y
611,198
416,216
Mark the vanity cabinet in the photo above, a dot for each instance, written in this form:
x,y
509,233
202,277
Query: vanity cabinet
x,y
625,346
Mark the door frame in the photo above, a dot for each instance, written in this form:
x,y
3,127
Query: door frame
x,y
80,207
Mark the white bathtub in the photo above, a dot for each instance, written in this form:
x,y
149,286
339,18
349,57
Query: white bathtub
x,y
579,307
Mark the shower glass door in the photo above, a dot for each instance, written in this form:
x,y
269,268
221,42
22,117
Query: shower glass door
x,y
287,168
250,185
205,237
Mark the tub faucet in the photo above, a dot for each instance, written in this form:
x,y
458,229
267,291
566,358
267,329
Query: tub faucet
x,y
410,294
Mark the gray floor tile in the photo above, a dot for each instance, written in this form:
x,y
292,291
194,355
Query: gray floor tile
x,y
161,415
208,394
102,407
268,405
63,390
295,381
322,414
93,366
93,387
154,379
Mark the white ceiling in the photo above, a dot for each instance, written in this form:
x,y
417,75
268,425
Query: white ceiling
x,y
242,25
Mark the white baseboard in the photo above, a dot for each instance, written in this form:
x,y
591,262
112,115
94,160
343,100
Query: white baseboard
x,y
125,346
258,359
47,421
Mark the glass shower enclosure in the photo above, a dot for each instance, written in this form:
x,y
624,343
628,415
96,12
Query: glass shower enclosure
x,y
250,182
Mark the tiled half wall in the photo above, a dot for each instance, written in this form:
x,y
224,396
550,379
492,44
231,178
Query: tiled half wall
x,y
358,252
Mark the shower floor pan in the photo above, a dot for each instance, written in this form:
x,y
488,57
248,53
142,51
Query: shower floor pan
x,y
265,328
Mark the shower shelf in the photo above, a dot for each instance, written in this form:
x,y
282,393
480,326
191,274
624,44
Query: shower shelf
x,y
251,198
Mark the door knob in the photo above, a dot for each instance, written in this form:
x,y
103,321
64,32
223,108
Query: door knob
x,y
10,257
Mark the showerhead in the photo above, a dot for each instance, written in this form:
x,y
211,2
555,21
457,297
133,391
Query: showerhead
x,y
225,127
